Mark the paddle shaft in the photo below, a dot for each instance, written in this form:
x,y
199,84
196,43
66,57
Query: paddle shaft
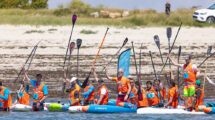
x,y
134,56
153,65
140,97
206,59
70,54
78,63
171,47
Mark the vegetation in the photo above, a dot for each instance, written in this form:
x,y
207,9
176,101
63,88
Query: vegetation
x,y
62,15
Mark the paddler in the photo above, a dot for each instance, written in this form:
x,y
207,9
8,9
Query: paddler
x,y
199,95
172,96
102,94
133,95
5,98
123,88
89,94
191,73
23,96
152,95
160,89
40,91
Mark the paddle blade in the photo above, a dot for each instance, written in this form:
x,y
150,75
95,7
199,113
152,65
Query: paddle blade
x,y
179,51
157,41
169,32
74,18
125,41
79,42
209,50
86,81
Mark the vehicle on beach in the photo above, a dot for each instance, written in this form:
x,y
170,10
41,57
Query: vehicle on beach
x,y
205,15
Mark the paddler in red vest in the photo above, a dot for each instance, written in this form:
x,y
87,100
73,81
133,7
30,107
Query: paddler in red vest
x,y
191,73
133,95
102,94
23,96
89,94
123,88
5,98
172,96
161,90
152,95
199,95
40,92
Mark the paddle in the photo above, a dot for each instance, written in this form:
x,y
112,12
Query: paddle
x,y
74,18
169,34
212,54
124,43
171,47
178,73
205,74
78,43
32,51
32,58
140,96
71,48
134,56
153,65
157,41
94,62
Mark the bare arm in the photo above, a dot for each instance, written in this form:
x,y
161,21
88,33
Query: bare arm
x,y
100,99
173,62
27,77
95,75
107,76
65,77
170,101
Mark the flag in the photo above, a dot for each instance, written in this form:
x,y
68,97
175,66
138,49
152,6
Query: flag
x,y
124,61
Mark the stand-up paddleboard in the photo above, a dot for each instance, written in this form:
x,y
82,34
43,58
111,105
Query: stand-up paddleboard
x,y
101,109
21,108
165,111
56,107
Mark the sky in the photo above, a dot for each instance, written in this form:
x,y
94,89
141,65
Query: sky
x,y
139,4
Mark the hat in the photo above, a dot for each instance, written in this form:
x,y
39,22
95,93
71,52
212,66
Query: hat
x,y
130,77
198,82
73,79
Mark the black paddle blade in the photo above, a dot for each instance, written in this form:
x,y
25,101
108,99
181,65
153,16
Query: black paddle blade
x,y
209,50
125,41
74,18
169,32
86,81
157,41
78,42
179,51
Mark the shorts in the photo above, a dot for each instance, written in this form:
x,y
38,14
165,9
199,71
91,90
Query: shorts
x,y
36,108
189,90
120,99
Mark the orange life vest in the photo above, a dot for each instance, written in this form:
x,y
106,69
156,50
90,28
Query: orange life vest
x,y
122,84
191,74
39,91
134,99
200,100
5,103
144,101
173,93
91,95
25,99
104,101
154,100
73,98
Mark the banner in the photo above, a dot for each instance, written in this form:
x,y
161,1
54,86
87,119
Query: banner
x,y
124,61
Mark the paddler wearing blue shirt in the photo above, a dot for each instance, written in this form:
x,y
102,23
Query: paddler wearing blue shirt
x,y
40,92
5,98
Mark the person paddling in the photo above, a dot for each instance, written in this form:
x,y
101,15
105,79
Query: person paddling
x,y
5,98
160,89
172,96
199,95
191,73
89,94
133,95
123,87
23,96
102,94
152,95
40,91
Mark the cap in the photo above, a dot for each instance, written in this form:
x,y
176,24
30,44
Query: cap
x,y
73,79
198,82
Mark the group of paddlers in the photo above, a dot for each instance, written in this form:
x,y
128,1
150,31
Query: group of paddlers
x,y
128,95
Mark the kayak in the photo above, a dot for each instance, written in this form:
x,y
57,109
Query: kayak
x,y
101,109
56,107
165,111
21,108
210,108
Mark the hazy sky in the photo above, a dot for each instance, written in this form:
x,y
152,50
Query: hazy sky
x,y
139,4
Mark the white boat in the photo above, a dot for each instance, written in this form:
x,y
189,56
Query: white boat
x,y
165,111
21,108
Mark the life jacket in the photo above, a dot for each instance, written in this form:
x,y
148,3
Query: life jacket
x,y
5,103
144,101
173,92
38,93
104,101
191,74
122,84
163,93
25,99
72,97
152,97
91,95
200,100
135,97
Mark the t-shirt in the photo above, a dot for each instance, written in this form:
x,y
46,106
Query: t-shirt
x,y
34,84
103,91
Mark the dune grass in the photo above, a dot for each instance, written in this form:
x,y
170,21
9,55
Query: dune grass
x,y
136,18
